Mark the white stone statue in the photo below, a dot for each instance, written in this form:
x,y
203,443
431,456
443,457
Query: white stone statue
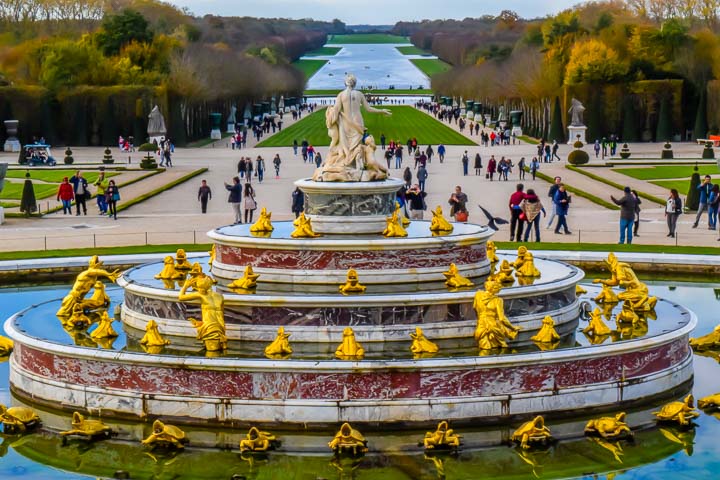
x,y
576,110
156,124
350,156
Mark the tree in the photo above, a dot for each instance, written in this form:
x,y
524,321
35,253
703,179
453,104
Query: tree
x,y
592,61
121,29
556,127
664,126
701,124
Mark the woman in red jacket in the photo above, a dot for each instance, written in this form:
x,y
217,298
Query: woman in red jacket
x,y
66,195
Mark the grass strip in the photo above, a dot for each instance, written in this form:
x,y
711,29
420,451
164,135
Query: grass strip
x,y
203,247
354,38
682,186
666,172
309,67
530,140
431,66
598,178
82,252
578,192
412,50
160,190
323,52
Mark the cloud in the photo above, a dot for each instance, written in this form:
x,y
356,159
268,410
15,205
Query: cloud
x,y
374,12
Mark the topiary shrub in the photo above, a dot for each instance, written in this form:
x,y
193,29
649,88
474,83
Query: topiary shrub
x,y
708,152
667,153
28,204
148,162
68,160
625,151
692,202
108,158
578,157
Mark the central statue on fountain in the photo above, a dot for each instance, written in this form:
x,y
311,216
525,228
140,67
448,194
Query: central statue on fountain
x,y
351,154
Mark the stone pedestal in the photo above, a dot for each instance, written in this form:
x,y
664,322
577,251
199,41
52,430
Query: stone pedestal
x,y
574,131
349,207
230,128
516,131
215,134
12,144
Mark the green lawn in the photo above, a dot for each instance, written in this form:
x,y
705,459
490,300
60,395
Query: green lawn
x,y
681,186
366,38
406,122
402,91
667,171
323,51
309,67
431,66
56,176
13,191
412,50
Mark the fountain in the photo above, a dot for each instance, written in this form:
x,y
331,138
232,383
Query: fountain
x,y
340,328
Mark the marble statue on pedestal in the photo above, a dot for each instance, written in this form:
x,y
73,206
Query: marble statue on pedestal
x,y
232,119
576,129
3,171
351,154
156,125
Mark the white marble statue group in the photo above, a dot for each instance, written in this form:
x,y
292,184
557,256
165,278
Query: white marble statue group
x,y
351,156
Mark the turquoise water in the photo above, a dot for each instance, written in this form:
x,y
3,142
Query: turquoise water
x,y
656,453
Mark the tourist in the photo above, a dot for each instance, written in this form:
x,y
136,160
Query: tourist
x,y
415,198
235,198
250,203
458,205
422,175
65,195
478,164
407,177
521,169
705,188
260,168
248,169
101,184
627,205
596,147
298,202
637,213
551,193
555,147
534,167
562,205
713,202
304,150
295,147
548,153
389,153
318,159
441,152
276,164
241,167
429,152
382,141
311,153
492,165
673,209
204,194
112,194
80,188
465,163
398,156
516,223
531,207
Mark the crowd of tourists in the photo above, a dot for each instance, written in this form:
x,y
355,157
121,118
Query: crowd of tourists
x,y
77,190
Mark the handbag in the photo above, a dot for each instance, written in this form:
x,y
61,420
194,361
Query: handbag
x,y
252,205
487,175
522,216
116,197
461,216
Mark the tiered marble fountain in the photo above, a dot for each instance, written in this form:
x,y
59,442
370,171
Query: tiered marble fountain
x,y
385,329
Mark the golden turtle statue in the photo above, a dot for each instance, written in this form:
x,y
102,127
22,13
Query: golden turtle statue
x,y
104,328
443,438
87,428
247,282
547,333
710,402
18,419
420,343
707,342
348,440
352,283
166,436
280,346
504,274
491,251
152,337
182,264
596,327
168,271
349,349
610,428
6,346
303,228
606,295
439,224
453,279
532,433
524,265
264,223
579,290
678,412
258,441
394,225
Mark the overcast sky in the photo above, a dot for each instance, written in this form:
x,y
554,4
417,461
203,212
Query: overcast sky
x,y
377,12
